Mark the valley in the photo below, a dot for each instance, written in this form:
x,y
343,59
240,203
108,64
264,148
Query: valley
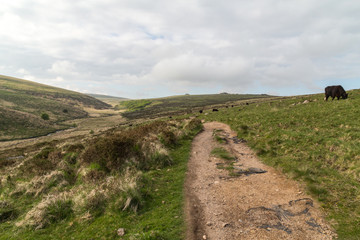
x,y
123,165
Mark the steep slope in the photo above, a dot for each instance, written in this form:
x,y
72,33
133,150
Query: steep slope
x,y
25,105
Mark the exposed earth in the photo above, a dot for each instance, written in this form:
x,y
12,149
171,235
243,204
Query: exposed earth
x,y
257,203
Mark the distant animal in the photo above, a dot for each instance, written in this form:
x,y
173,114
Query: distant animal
x,y
335,91
227,106
215,110
247,103
201,111
232,105
170,116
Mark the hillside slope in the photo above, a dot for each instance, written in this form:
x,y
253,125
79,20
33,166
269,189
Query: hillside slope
x,y
313,141
23,103
112,100
157,107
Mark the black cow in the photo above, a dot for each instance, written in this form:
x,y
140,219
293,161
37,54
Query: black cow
x,y
215,110
335,91
201,111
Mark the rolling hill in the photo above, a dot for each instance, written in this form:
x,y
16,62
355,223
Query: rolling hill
x,y
175,105
25,105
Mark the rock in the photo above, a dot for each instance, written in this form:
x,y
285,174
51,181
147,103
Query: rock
x,y
208,224
226,225
249,171
121,232
256,170
204,237
306,101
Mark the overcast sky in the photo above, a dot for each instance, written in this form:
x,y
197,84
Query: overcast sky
x,y
143,48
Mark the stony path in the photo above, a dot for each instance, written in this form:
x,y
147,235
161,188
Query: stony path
x,y
253,205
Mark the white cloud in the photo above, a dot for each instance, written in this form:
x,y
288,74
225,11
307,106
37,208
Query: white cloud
x,y
63,68
130,46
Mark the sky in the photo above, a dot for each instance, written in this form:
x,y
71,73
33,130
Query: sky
x,y
145,49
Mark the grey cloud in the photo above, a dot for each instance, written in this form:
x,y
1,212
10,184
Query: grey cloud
x,y
129,46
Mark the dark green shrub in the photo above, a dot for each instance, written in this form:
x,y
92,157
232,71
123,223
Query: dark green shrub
x,y
45,116
7,212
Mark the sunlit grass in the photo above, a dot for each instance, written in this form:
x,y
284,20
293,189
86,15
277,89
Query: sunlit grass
x,y
316,143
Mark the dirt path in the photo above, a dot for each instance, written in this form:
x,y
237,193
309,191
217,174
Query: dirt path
x,y
250,206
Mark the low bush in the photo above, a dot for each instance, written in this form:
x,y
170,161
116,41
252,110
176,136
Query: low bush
x,y
135,147
43,162
7,211
45,116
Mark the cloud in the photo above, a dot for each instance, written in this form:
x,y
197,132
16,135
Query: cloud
x,y
63,68
131,46
191,69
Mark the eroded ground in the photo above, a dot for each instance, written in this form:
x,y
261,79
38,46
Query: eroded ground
x,y
257,202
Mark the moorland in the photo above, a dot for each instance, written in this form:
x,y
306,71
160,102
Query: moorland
x,y
124,166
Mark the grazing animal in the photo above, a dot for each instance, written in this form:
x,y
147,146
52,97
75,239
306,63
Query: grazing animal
x,y
335,91
232,105
170,116
215,110
247,103
201,111
227,106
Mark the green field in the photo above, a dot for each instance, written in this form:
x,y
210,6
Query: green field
x,y
312,141
23,103
177,105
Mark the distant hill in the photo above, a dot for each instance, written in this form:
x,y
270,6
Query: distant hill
x,y
107,99
23,105
157,107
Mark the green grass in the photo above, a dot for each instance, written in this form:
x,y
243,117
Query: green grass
x,y
222,153
148,203
316,143
177,105
134,105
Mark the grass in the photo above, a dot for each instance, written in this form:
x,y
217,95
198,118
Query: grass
x,y
222,153
177,105
134,105
315,143
30,109
61,201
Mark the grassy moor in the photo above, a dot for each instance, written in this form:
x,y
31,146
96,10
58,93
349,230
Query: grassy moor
x,y
113,174
313,141
178,105
23,103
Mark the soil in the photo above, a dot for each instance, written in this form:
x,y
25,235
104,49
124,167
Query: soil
x,y
258,203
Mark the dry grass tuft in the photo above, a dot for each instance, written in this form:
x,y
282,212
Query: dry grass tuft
x,y
51,209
